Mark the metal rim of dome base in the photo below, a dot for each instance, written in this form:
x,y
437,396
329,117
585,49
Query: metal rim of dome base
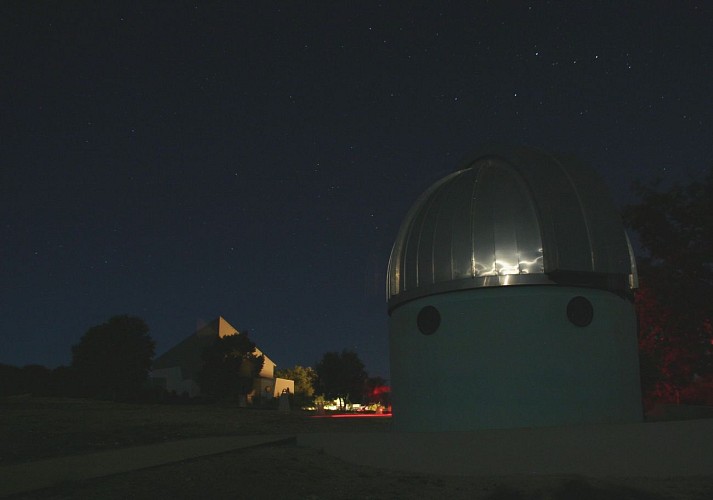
x,y
615,283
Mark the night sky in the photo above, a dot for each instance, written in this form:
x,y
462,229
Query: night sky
x,y
180,161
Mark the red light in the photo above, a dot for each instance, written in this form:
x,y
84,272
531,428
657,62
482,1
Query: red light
x,y
381,389
354,415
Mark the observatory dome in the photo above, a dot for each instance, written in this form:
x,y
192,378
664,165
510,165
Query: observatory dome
x,y
515,216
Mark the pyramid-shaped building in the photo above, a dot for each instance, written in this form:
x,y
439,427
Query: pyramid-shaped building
x,y
177,369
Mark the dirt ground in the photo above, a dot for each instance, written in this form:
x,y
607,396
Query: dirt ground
x,y
39,428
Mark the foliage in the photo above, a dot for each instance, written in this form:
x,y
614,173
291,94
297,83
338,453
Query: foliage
x,y
341,376
37,380
667,357
675,227
10,380
230,364
304,378
675,299
112,360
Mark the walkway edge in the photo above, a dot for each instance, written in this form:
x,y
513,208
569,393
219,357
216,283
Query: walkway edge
x,y
30,476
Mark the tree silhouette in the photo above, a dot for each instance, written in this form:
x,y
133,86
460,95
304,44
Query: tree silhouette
x,y
341,376
230,364
11,380
112,360
304,378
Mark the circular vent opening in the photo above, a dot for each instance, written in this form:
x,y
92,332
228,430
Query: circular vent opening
x,y
429,319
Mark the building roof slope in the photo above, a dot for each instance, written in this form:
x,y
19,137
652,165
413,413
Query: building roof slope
x,y
188,354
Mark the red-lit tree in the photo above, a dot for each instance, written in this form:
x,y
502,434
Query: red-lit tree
x,y
675,300
667,353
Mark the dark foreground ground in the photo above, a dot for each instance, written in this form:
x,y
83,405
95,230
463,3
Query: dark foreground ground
x,y
37,428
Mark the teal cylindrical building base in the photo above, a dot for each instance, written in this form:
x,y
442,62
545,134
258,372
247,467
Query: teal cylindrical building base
x,y
514,356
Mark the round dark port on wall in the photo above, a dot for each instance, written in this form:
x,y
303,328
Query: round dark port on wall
x,y
428,320
580,311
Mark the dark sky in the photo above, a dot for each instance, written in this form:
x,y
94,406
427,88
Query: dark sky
x,y
179,161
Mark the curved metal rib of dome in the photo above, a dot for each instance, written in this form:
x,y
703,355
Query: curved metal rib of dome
x,y
511,217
